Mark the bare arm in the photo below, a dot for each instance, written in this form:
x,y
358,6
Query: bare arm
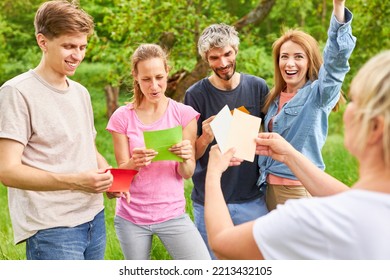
x,y
205,139
316,181
226,240
14,173
186,150
338,10
102,162
140,157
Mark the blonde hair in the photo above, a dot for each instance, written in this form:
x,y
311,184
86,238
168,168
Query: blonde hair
x,y
370,90
312,50
142,53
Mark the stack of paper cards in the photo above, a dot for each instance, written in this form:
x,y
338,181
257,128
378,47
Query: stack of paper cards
x,y
238,130
162,140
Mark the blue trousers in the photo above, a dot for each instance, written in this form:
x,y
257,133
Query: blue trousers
x,y
83,242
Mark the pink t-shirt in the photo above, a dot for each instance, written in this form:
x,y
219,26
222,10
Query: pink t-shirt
x,y
157,192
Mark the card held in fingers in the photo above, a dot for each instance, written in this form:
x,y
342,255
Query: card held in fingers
x,y
162,140
122,179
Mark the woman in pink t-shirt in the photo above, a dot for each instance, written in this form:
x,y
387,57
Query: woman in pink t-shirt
x,y
157,192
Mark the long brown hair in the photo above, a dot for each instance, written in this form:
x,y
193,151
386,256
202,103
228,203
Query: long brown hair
x,y
145,52
312,50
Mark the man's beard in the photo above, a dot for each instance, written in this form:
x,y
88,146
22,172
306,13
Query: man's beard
x,y
227,76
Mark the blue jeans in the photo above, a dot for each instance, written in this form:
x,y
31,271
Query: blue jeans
x,y
239,212
83,242
179,236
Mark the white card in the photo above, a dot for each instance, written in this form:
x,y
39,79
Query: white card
x,y
238,131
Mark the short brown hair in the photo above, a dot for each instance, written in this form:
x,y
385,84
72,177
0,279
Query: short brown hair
x,y
59,17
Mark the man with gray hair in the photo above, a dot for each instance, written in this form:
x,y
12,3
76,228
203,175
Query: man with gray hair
x,y
218,46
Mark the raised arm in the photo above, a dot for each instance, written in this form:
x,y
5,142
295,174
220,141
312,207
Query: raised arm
x,y
316,181
338,10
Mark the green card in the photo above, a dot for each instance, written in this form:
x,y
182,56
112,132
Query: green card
x,y
162,140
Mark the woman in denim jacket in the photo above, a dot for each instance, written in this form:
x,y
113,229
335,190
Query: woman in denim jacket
x,y
305,92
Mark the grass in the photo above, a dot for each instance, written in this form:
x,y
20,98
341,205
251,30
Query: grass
x,y
9,251
339,163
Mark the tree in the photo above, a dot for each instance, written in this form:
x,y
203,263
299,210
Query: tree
x,y
179,82
175,25
17,52
371,27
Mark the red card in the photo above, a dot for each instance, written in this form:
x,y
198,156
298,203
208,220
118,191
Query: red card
x,y
122,179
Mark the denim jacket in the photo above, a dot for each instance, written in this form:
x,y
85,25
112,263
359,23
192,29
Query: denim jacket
x,y
303,121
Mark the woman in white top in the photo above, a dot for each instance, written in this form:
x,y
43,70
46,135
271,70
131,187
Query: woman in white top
x,y
341,222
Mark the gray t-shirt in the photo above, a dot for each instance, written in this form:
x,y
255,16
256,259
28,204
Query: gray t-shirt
x,y
57,129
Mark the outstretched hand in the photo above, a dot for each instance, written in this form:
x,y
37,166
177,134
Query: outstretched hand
x,y
273,145
220,162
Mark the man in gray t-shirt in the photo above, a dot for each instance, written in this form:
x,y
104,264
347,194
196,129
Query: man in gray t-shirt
x,y
49,162
218,46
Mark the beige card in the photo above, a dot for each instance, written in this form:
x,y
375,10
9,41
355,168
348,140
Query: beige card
x,y
243,132
239,131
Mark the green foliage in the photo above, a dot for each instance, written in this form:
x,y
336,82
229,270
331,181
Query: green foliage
x,y
4,28
94,74
371,26
125,24
306,15
336,124
18,51
121,25
339,163
256,61
8,251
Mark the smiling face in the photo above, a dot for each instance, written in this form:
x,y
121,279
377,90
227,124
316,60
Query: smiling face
x,y
293,65
63,54
222,61
152,78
